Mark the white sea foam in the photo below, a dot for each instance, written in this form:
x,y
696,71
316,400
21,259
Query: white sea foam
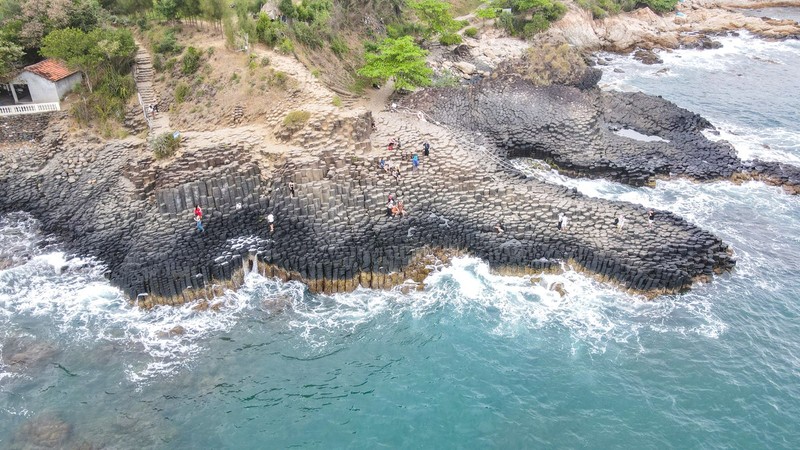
x,y
71,295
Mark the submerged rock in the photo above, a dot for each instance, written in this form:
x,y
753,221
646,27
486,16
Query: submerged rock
x,y
45,431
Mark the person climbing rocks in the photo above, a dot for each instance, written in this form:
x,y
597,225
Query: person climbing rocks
x,y
560,221
499,228
198,220
415,162
291,188
620,222
401,208
426,148
389,207
151,112
396,174
651,217
271,222
198,211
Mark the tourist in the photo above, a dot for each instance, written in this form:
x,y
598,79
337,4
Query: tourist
x,y
271,222
197,211
374,127
198,220
620,222
291,188
391,146
565,223
499,228
155,109
151,112
651,217
389,207
397,142
415,162
395,210
396,174
401,209
426,148
382,164
560,221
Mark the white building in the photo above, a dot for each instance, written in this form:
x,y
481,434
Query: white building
x,y
47,81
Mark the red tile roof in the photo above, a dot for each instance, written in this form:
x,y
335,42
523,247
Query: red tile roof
x,y
50,69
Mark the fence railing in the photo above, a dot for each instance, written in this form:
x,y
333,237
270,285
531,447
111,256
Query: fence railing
x,y
144,111
32,108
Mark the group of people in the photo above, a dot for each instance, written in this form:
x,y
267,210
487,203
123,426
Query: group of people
x,y
394,207
620,220
152,110
386,165
198,219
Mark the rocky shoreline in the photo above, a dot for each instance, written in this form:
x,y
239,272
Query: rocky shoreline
x,y
113,200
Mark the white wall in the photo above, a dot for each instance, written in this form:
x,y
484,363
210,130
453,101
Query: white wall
x,y
64,85
42,90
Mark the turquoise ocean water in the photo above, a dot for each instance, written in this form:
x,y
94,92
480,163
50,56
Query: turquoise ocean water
x,y
476,360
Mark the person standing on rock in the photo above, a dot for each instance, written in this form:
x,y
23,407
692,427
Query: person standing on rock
x,y
426,148
198,220
197,211
271,222
651,217
560,224
389,206
415,162
291,188
620,221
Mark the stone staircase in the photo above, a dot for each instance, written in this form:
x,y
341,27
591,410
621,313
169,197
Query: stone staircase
x,y
143,75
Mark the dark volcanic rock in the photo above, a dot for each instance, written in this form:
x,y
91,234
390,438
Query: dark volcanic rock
x,y
572,128
113,201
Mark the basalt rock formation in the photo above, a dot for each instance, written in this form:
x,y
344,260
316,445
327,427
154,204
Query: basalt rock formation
x,y
112,200
577,131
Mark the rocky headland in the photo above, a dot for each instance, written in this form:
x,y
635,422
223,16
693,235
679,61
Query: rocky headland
x,y
115,201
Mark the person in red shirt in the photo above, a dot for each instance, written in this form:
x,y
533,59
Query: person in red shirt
x,y
198,211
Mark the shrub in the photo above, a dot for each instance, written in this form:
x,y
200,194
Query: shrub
x,y
164,42
446,79
471,32
308,35
315,73
279,78
191,61
166,144
296,119
337,101
339,46
661,6
450,39
265,61
286,47
181,91
268,31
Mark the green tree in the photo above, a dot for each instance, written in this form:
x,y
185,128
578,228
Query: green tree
x,y
168,9
95,53
436,15
400,59
213,10
10,54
